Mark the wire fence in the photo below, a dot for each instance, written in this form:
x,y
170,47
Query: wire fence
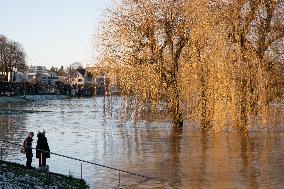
x,y
80,160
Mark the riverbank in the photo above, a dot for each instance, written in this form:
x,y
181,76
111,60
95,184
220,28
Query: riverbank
x,y
14,175
26,98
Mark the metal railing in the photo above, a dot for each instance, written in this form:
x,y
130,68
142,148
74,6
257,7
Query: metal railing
x,y
80,160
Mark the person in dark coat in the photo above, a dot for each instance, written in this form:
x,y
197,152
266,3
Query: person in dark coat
x,y
42,148
28,150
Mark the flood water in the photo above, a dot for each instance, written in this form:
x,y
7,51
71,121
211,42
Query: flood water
x,y
79,128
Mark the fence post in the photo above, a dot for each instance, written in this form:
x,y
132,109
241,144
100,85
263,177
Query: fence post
x,y
1,157
81,171
118,179
41,162
1,150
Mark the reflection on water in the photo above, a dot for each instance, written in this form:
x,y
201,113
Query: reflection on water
x,y
177,159
12,128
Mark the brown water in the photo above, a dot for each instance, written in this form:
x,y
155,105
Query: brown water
x,y
79,128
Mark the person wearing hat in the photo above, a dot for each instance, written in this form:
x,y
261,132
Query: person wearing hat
x,y
42,148
28,150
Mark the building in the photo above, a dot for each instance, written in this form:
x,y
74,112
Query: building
x,y
37,69
81,82
20,77
38,73
77,78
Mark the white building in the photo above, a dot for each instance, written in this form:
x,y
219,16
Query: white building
x,y
38,73
19,76
77,78
37,69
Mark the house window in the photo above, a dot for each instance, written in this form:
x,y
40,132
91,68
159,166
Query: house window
x,y
79,80
73,79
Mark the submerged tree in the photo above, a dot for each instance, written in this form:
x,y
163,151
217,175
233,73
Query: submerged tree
x,y
146,39
207,61
256,31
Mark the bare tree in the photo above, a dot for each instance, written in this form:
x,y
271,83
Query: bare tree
x,y
12,56
73,67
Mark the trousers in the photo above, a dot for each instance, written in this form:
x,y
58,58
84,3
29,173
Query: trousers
x,y
29,161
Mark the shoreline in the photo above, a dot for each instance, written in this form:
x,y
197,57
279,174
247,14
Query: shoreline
x,y
28,98
15,175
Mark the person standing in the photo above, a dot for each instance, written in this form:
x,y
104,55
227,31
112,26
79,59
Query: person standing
x,y
42,149
28,150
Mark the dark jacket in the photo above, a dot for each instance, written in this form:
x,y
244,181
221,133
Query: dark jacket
x,y
28,146
42,145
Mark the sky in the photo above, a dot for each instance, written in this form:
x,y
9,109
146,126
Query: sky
x,y
53,32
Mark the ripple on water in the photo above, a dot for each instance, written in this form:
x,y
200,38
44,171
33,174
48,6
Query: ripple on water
x,y
78,128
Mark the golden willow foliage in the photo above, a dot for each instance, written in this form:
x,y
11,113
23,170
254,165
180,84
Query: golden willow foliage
x,y
216,63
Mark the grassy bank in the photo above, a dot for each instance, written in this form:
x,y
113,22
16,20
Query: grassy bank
x,y
14,175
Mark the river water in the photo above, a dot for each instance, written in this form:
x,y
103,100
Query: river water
x,y
80,128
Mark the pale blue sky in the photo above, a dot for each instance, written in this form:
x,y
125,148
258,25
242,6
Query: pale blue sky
x,y
52,32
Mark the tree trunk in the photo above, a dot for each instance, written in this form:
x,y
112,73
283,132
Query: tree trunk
x,y
176,110
204,108
243,119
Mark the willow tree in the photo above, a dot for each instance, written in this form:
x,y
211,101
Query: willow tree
x,y
208,61
256,31
205,72
147,39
